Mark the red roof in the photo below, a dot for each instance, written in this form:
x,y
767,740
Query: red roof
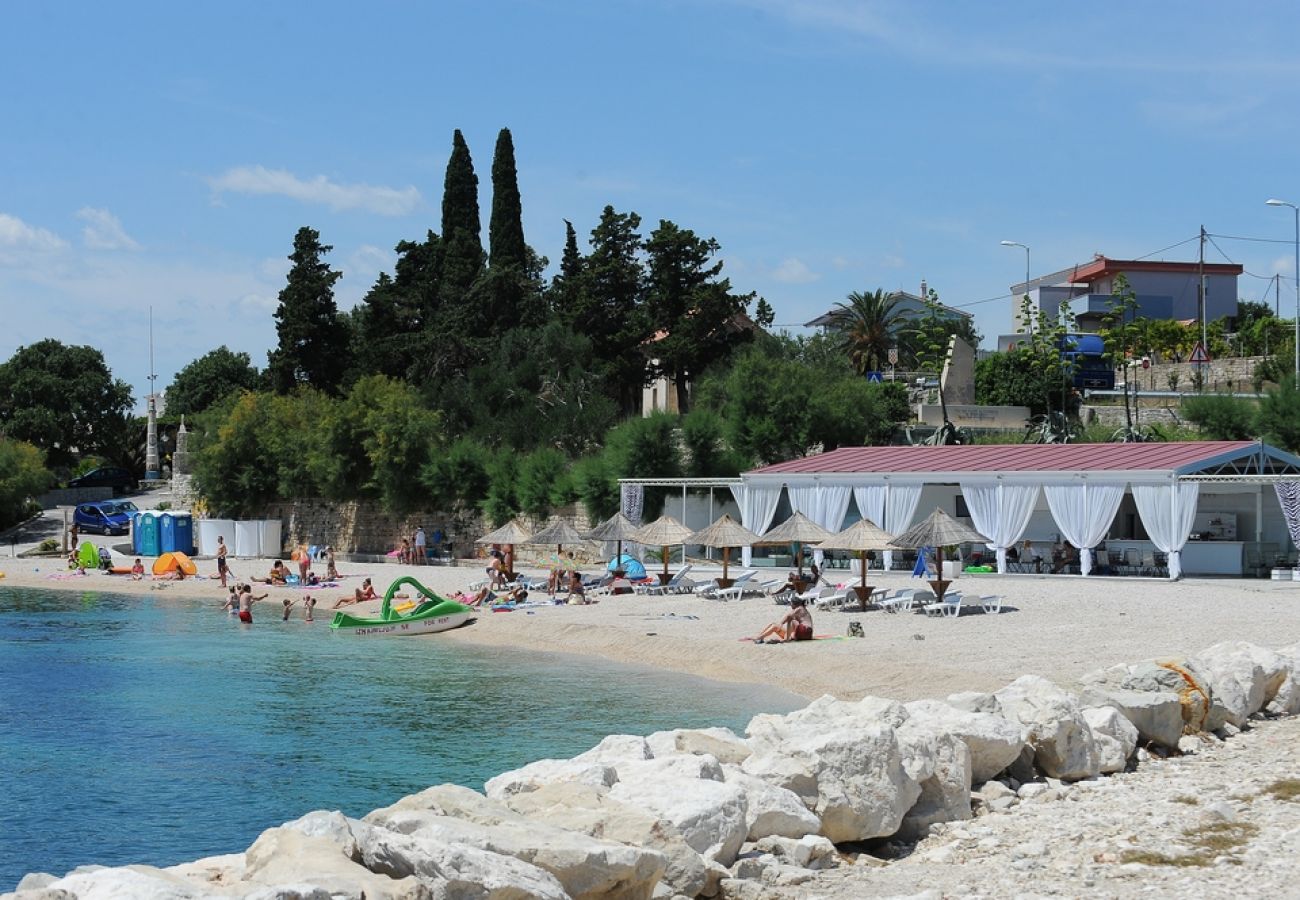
x,y
1009,458
1101,266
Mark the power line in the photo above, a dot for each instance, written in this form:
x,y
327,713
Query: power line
x,y
1170,247
1258,240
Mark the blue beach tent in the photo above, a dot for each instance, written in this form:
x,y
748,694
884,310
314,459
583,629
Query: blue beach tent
x,y
630,565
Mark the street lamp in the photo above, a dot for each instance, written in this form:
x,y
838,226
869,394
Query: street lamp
x,y
1026,249
1297,282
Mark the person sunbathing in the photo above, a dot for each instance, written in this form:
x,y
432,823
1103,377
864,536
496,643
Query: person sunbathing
x,y
365,592
796,625
279,574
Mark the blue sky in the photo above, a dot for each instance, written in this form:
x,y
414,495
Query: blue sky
x,y
164,154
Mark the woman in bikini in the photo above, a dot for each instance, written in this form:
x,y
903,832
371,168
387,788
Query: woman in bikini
x,y
796,625
365,592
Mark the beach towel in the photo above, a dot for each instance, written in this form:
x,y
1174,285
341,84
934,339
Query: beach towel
x,y
815,637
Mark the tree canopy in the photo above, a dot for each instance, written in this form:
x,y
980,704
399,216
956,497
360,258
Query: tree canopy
x,y
313,340
207,379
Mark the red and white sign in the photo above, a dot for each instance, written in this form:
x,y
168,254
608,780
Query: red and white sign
x,y
1199,356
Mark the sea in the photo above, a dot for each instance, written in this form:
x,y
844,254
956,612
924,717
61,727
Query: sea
x,y
156,729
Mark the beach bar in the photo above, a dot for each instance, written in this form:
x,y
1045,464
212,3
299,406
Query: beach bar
x,y
1150,509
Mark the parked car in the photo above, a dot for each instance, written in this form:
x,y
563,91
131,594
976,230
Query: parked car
x,y
114,477
104,517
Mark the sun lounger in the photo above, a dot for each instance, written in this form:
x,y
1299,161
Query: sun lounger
x,y
671,586
950,605
991,603
712,591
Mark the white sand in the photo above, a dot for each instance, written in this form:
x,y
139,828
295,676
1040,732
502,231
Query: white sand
x,y
1055,626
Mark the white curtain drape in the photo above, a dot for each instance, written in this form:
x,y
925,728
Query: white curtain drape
x,y
1083,511
757,507
900,507
1001,513
1167,511
1288,497
871,503
825,504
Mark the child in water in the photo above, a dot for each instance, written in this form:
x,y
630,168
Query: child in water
x,y
309,604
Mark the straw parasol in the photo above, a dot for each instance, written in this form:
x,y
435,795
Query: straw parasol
x,y
616,528
937,531
662,532
559,533
859,537
798,530
725,533
509,534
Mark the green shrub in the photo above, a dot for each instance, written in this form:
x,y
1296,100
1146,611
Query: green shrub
x,y
1221,418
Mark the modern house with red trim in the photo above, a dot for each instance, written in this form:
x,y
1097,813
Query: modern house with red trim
x,y
1165,290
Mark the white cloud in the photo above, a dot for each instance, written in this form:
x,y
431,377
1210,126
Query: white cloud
x,y
1282,265
892,261
794,271
104,231
18,238
258,180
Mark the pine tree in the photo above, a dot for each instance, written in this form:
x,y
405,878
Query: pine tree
x,y
506,229
565,285
607,306
764,315
313,338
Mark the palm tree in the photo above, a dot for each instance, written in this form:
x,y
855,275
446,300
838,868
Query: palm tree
x,y
871,323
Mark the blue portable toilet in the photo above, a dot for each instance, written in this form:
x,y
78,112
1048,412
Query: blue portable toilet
x,y
176,532
144,533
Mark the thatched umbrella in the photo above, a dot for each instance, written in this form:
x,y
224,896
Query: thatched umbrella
x,y
937,531
559,533
662,532
859,537
798,530
725,533
509,534
616,528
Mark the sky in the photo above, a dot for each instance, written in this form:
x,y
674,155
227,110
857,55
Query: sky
x,y
162,155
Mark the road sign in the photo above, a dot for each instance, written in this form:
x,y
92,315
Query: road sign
x,y
875,376
1199,356
893,356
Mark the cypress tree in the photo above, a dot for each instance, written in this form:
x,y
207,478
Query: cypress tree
x,y
461,229
313,338
506,228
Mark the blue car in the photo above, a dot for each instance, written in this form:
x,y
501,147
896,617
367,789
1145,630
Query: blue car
x,y
104,517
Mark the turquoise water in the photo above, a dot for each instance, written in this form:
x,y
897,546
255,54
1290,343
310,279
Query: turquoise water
x,y
158,730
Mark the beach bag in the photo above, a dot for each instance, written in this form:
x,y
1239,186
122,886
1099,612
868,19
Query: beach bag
x,y
855,630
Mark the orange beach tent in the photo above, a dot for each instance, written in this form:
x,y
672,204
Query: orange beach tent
x,y
174,561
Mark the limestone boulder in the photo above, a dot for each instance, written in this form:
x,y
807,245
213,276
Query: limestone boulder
x,y
853,779
1287,700
994,741
975,702
325,858
616,748
1062,741
1178,676
940,762
711,816
823,714
1157,715
549,771
453,870
593,812
211,872
722,744
587,867
701,766
1237,682
809,852
1115,736
112,883
771,810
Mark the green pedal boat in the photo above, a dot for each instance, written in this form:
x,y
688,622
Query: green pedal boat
x,y
428,616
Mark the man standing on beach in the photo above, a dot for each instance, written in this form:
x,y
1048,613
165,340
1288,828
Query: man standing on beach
x,y
221,559
419,542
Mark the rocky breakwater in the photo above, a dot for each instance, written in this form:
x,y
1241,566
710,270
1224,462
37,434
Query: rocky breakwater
x,y
707,813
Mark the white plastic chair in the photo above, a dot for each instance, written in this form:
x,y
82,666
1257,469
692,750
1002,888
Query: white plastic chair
x,y
991,603
950,605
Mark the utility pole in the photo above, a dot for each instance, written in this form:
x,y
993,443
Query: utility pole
x,y
1200,290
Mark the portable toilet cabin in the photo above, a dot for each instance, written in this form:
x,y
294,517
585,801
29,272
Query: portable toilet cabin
x,y
144,533
176,532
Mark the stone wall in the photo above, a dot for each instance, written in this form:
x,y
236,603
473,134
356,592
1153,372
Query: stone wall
x,y
355,527
1227,374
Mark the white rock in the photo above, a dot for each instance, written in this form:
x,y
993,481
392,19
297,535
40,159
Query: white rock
x,y
685,765
722,744
711,816
453,870
119,883
824,714
549,771
1062,741
1157,715
945,789
1242,678
285,855
771,810
586,867
810,851
994,741
992,790
592,811
614,749
1115,736
975,702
